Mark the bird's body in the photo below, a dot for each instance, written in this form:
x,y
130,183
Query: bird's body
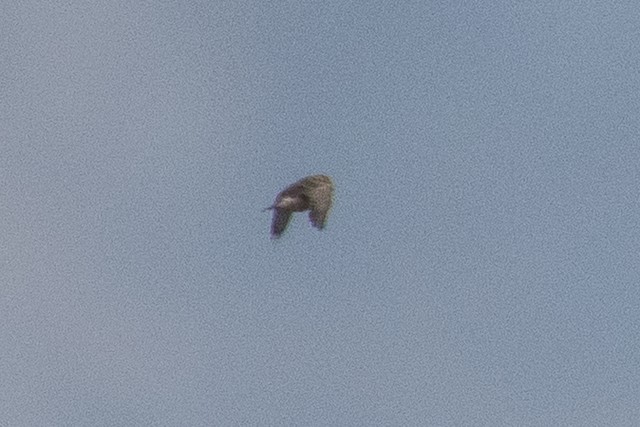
x,y
313,193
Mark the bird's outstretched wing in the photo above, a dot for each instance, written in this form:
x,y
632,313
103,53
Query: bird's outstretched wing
x,y
280,220
320,195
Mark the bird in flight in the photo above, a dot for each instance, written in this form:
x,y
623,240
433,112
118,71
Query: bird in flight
x,y
313,193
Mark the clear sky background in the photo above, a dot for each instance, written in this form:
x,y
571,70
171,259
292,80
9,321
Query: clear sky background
x,y
481,265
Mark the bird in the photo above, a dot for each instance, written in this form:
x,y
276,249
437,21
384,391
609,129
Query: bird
x,y
313,193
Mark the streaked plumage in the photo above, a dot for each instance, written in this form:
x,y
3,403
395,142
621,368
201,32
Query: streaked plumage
x,y
313,193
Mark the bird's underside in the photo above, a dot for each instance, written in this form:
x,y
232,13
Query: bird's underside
x,y
313,193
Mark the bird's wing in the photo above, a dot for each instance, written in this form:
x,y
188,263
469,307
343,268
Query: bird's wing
x,y
320,199
280,220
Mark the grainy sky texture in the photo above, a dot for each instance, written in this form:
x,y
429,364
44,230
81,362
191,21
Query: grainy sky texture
x,y
481,265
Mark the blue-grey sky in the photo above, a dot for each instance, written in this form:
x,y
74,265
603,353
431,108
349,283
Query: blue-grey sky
x,y
481,265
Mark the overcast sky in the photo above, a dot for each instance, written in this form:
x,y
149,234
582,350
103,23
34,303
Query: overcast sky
x,y
481,265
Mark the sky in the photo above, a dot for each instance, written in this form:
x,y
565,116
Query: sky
x,y
480,266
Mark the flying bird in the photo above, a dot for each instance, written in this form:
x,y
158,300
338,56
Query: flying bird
x,y
313,193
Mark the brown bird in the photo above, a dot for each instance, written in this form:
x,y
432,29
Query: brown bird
x,y
313,193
